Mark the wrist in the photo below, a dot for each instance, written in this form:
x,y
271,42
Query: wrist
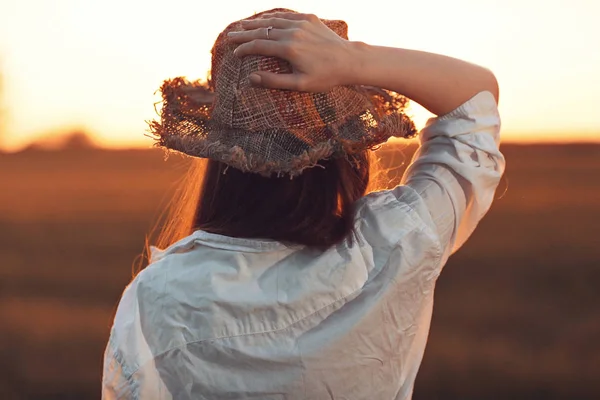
x,y
354,64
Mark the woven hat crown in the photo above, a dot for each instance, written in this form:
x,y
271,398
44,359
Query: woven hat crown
x,y
270,131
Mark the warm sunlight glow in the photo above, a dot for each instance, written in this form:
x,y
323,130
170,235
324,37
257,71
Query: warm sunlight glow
x,y
96,65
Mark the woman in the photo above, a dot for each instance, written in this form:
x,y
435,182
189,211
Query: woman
x,y
289,281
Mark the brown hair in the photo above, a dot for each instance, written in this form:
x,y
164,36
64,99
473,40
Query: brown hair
x,y
314,209
227,201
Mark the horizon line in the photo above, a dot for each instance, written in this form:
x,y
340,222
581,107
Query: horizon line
x,y
87,139
139,147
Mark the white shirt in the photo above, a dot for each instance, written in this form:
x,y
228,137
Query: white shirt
x,y
215,317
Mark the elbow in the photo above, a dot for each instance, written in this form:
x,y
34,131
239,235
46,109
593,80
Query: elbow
x,y
491,84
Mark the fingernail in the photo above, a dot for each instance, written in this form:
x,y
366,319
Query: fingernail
x,y
255,79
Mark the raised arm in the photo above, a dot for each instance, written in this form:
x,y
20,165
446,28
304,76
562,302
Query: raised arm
x,y
321,60
438,83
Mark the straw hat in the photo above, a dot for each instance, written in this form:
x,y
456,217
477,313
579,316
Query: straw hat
x,y
268,131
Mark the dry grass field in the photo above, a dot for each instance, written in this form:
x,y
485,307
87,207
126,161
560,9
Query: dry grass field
x,y
517,312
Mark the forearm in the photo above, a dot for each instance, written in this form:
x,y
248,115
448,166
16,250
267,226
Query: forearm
x,y
438,83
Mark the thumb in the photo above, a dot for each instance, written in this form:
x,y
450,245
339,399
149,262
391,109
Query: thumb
x,y
272,80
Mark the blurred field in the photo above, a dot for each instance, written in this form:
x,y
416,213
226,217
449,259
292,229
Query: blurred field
x,y
517,312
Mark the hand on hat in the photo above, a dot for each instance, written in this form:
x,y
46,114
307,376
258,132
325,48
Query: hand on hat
x,y
320,58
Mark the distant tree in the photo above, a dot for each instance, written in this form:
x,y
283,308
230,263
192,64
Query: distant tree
x,y
77,140
70,140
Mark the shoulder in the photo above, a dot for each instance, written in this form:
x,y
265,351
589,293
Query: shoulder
x,y
146,292
128,349
150,284
393,216
147,284
143,324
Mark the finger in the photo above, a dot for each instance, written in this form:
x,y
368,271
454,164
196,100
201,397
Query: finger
x,y
280,23
285,15
261,47
271,80
254,34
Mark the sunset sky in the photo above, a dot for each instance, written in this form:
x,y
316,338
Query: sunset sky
x,y
95,65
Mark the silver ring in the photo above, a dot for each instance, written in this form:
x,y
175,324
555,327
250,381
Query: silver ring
x,y
268,29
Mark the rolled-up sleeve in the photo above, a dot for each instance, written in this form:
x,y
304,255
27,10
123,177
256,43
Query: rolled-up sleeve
x,y
457,168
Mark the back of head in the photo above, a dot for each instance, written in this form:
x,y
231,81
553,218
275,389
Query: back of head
x,y
314,209
281,164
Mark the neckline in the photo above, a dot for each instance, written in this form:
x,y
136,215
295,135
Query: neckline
x,y
215,238
217,241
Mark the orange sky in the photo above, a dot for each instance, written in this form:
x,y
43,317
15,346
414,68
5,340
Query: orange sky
x,y
95,65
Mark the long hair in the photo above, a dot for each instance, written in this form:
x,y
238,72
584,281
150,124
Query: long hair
x,y
314,209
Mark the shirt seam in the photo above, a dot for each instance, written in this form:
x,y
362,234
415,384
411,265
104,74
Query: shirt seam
x,y
424,227
415,216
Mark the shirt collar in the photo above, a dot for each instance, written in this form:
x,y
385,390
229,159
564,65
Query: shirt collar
x,y
213,240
